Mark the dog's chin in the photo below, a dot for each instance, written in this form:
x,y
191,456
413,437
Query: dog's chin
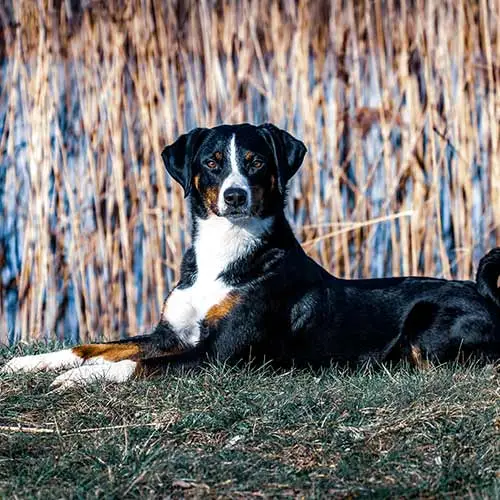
x,y
236,217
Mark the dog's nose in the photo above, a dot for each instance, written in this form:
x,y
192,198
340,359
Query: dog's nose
x,y
235,197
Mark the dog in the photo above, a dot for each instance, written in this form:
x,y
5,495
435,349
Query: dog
x,y
248,290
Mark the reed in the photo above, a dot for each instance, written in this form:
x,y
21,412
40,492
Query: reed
x,y
397,101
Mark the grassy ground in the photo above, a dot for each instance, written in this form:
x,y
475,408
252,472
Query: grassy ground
x,y
241,432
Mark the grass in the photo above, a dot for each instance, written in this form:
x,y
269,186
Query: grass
x,y
237,432
397,102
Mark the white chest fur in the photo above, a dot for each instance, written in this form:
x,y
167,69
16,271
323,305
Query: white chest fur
x,y
219,242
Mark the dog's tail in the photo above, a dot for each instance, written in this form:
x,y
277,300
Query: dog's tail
x,y
487,276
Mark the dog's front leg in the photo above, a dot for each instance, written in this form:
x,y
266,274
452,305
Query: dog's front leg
x,y
151,358
113,361
162,341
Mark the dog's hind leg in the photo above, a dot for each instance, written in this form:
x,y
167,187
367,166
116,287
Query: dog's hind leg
x,y
407,346
449,332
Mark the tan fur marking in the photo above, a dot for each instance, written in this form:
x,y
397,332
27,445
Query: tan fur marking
x,y
109,352
249,155
416,358
211,196
218,155
196,181
222,309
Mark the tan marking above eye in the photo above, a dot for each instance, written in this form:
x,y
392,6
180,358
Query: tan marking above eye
x,y
218,155
249,155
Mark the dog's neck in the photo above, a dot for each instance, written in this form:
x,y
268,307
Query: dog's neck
x,y
218,242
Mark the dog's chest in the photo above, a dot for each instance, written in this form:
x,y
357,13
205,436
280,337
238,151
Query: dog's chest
x,y
217,246
186,308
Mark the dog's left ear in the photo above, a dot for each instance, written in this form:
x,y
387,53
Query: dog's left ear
x,y
179,157
288,152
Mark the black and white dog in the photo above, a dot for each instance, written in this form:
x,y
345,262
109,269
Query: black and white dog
x,y
248,290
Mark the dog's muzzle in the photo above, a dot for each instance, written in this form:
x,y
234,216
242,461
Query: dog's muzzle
x,y
236,202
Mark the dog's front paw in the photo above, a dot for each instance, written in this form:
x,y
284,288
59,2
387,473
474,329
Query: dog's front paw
x,y
120,371
40,362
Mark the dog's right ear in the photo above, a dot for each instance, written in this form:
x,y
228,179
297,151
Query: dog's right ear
x,y
179,157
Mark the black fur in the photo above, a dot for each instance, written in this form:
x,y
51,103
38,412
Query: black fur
x,y
180,156
288,152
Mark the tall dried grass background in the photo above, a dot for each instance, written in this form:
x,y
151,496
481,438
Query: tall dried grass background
x,y
397,101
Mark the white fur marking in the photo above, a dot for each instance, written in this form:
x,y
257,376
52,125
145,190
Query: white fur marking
x,y
234,179
219,242
232,155
39,362
110,371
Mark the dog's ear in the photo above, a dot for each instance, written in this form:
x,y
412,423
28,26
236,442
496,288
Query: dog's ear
x,y
179,157
288,152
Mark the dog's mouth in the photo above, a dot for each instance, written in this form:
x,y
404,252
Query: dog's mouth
x,y
236,214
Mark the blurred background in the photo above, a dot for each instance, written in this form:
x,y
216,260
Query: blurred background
x,y
397,102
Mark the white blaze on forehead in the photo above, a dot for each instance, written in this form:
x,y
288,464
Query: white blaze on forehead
x,y
235,177
232,155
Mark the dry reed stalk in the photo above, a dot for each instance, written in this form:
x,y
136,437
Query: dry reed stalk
x,y
397,102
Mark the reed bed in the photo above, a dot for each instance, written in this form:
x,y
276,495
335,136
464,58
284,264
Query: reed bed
x,y
397,101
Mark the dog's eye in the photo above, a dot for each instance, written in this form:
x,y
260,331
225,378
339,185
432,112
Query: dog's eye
x,y
211,164
257,164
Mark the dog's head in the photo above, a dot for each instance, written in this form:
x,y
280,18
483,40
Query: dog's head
x,y
235,171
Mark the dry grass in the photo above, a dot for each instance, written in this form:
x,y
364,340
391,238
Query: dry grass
x,y
398,103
